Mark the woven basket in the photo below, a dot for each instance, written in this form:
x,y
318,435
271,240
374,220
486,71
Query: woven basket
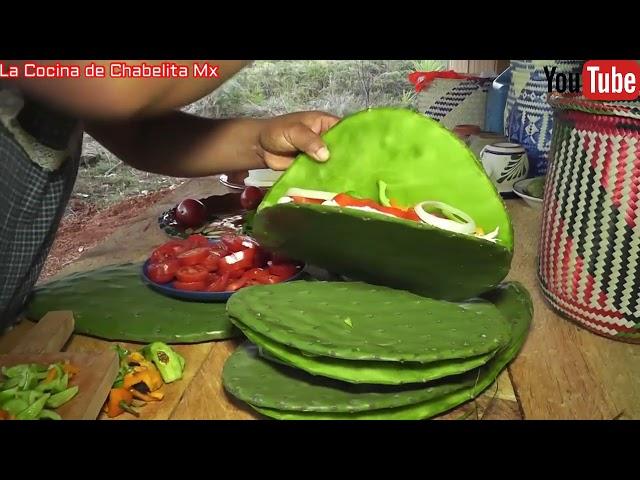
x,y
455,101
589,262
528,118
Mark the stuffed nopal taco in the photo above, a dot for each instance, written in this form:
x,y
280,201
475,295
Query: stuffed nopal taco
x,y
401,202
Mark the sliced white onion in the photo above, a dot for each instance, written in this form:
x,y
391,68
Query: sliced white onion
x,y
315,194
468,227
491,236
285,200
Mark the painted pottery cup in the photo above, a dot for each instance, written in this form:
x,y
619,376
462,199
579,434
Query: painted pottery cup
x,y
505,164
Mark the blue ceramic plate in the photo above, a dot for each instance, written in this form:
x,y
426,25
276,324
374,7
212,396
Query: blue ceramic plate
x,y
168,290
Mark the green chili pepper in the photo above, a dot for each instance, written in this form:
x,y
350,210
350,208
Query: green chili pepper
x,y
33,410
15,371
48,386
169,363
123,353
8,394
49,415
29,396
63,397
382,191
11,383
28,380
15,406
62,384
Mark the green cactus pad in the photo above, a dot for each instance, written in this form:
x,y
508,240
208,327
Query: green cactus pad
x,y
113,303
419,160
358,321
372,372
258,382
285,393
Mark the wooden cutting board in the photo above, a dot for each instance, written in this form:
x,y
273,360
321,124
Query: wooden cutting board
x,y
43,344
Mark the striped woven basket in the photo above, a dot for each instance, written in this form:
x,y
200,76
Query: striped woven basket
x,y
589,262
455,101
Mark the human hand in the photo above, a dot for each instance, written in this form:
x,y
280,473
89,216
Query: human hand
x,y
286,136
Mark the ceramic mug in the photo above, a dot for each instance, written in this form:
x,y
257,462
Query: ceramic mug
x,y
505,164
480,140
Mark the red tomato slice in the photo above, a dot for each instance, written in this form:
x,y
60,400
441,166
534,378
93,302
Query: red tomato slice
x,y
167,250
345,200
411,214
259,275
238,261
163,272
194,256
220,284
233,242
284,270
307,200
274,279
189,286
196,240
194,273
212,260
235,285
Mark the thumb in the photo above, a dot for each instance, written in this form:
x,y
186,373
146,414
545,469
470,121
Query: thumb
x,y
302,138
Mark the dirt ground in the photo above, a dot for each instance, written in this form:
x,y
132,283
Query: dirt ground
x,y
84,226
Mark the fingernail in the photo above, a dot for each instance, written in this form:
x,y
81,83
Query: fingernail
x,y
322,154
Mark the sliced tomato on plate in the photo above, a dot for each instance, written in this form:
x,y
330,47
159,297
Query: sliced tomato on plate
x,y
192,273
233,242
220,284
284,270
235,285
189,286
164,271
275,279
212,260
259,275
236,243
238,261
167,250
194,256
196,240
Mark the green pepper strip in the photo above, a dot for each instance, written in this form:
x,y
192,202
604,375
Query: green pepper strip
x,y
63,397
49,415
382,192
33,410
8,394
15,406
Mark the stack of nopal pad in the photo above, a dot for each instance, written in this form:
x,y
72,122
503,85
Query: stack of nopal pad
x,y
351,350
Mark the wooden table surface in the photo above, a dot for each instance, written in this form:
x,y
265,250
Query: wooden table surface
x,y
562,372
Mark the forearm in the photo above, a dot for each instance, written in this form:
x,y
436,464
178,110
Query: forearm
x,y
182,145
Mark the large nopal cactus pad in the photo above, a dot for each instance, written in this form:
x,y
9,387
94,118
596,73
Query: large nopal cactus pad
x,y
113,303
358,321
265,384
285,393
372,372
419,160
